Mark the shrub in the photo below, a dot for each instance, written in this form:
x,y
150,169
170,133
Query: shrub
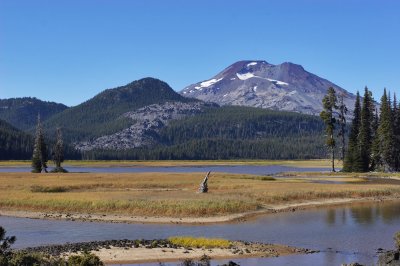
x,y
86,259
5,242
43,189
59,170
30,259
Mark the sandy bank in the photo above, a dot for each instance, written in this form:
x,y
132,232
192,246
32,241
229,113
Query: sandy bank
x,y
117,218
120,255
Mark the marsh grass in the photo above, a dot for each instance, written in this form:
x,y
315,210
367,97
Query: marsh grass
x,y
43,189
171,194
261,178
200,242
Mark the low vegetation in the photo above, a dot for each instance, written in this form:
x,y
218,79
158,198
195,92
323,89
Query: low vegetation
x,y
199,242
44,189
174,194
9,257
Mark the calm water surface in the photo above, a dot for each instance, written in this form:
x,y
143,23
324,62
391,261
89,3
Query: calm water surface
x,y
343,234
236,169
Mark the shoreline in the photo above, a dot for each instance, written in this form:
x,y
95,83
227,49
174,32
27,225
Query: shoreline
x,y
238,217
162,250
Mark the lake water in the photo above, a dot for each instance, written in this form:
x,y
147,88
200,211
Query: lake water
x,y
236,169
344,234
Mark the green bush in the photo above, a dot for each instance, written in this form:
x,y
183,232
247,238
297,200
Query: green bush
x,y
59,170
30,259
86,259
43,189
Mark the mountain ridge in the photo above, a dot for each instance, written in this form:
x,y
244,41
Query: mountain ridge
x,y
22,112
103,114
257,83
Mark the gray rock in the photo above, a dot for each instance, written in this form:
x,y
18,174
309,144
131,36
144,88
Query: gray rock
x,y
389,258
146,123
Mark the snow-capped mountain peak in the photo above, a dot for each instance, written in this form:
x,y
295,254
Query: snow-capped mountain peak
x,y
257,83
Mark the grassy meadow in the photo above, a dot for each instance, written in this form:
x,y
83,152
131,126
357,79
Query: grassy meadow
x,y
174,194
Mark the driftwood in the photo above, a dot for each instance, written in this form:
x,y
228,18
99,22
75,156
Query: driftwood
x,y
204,186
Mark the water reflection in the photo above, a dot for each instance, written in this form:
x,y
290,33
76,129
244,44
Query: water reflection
x,y
235,169
364,214
344,234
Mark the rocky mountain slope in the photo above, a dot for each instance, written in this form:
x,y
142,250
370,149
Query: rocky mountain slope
x,y
22,112
286,87
146,124
104,114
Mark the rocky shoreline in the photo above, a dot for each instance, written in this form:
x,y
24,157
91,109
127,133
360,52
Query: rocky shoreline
x,y
141,250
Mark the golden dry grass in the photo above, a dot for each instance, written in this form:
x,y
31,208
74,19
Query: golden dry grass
x,y
172,194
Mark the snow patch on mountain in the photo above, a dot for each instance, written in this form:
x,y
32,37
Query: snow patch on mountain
x,y
278,82
245,76
251,64
210,82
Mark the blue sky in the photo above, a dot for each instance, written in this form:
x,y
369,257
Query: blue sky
x,y
68,51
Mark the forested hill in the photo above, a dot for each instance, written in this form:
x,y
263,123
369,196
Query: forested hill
x,y
14,144
22,112
233,132
102,114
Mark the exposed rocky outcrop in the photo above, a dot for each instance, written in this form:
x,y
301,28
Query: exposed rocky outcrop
x,y
389,258
146,122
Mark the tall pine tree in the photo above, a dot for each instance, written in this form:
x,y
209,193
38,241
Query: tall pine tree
x,y
39,157
58,152
329,104
342,126
352,146
375,149
362,163
384,137
396,134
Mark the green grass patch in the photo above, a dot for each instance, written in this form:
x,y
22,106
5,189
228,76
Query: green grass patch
x,y
43,189
199,242
251,177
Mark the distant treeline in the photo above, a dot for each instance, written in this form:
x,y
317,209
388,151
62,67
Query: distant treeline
x,y
18,145
229,132
233,133
14,144
215,149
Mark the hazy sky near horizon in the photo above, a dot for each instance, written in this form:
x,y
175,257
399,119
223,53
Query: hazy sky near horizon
x,y
68,51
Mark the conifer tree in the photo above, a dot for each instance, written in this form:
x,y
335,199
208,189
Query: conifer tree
x,y
342,126
329,103
58,152
362,164
384,136
39,157
396,134
375,149
352,146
